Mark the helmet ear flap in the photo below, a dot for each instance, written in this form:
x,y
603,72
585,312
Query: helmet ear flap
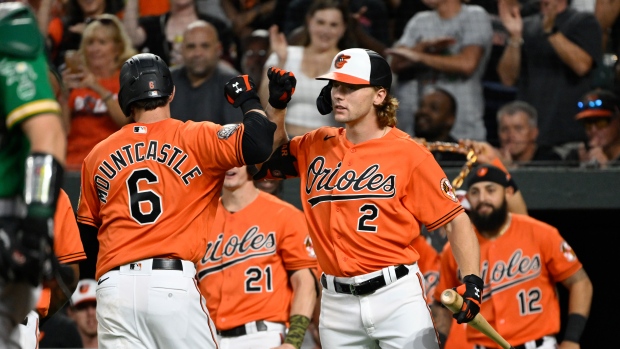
x,y
324,100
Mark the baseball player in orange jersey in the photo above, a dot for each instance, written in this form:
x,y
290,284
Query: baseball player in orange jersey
x,y
69,251
257,271
522,259
366,189
150,193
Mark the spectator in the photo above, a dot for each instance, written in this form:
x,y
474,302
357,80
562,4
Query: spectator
x,y
247,16
433,121
65,33
325,34
370,15
521,303
95,113
270,285
83,311
549,57
254,54
518,130
162,35
599,114
200,80
449,47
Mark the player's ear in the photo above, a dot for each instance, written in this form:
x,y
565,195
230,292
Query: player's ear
x,y
380,95
174,89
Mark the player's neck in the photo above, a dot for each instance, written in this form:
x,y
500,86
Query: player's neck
x,y
151,116
237,199
365,129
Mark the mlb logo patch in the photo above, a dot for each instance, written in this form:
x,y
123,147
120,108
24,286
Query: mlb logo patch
x,y
153,93
139,129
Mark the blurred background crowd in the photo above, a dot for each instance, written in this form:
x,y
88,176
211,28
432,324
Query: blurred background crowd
x,y
536,79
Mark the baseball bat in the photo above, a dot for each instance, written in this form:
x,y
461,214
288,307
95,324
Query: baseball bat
x,y
453,301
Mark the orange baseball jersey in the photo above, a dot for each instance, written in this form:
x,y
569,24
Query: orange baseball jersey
x,y
152,189
67,243
520,269
244,271
365,202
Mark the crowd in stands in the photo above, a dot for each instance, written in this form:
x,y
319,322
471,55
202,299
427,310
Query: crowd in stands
x,y
509,73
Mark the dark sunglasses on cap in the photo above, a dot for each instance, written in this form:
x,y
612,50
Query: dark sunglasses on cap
x,y
599,123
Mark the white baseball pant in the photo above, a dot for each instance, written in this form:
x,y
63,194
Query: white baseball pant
x,y
16,301
394,316
141,308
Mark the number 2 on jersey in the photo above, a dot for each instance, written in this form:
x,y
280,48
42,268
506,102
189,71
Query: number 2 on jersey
x,y
141,200
370,212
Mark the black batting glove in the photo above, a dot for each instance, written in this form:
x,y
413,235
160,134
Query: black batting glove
x,y
281,87
240,91
324,100
471,291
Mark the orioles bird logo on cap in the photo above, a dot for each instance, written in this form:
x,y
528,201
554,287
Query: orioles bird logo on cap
x,y
482,171
84,288
341,60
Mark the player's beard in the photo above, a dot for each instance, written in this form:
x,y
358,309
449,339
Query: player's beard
x,y
492,222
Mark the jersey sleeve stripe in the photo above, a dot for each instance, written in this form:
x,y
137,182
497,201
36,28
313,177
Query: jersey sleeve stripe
x,y
86,220
30,109
240,149
74,257
443,220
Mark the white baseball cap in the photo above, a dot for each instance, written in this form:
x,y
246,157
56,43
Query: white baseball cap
x,y
358,66
85,291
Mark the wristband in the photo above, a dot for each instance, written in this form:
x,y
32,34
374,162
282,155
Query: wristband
x,y
252,103
575,325
297,330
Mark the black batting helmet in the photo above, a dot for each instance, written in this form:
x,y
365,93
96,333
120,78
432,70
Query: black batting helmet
x,y
143,76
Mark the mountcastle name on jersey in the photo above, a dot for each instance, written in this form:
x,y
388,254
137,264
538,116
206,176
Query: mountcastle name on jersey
x,y
171,156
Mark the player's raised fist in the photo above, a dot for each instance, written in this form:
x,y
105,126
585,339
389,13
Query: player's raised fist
x,y
281,87
240,91
324,100
471,291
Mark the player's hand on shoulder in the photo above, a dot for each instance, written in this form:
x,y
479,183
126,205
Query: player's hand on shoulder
x,y
281,87
471,291
239,90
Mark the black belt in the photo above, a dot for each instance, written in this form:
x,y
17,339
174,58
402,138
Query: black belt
x,y
366,287
538,342
241,331
160,264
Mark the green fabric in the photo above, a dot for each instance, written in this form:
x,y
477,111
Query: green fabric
x,y
25,91
297,330
20,34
